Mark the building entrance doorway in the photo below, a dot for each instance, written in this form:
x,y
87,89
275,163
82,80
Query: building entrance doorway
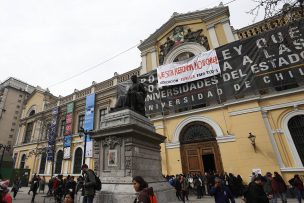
x,y
199,149
209,162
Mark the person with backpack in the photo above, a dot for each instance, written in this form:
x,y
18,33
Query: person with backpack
x,y
145,193
89,184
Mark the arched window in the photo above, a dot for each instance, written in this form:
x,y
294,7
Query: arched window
x,y
28,132
196,132
22,162
296,129
77,161
42,163
58,164
32,113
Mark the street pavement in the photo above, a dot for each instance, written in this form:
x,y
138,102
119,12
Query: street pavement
x,y
23,197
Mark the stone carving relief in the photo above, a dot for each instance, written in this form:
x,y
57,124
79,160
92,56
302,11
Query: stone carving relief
x,y
179,36
111,141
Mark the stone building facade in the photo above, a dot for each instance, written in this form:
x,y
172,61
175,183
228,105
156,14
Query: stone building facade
x,y
13,93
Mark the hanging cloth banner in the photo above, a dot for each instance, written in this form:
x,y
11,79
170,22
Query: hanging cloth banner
x,y
68,131
69,119
89,123
52,134
267,63
67,142
201,66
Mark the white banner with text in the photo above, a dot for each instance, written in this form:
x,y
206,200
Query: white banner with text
x,y
201,66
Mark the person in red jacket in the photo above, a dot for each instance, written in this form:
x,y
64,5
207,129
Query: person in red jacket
x,y
4,193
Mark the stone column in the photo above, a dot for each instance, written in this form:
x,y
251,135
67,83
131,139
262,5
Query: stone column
x,y
227,30
143,64
154,58
213,37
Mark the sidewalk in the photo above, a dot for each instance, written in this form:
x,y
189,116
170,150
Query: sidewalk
x,y
23,197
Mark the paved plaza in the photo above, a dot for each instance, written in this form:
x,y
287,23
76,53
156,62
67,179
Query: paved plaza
x,y
23,197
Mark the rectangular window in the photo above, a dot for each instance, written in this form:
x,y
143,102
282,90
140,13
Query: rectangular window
x,y
28,132
19,100
102,113
18,107
11,136
16,112
13,124
80,121
62,128
20,95
12,129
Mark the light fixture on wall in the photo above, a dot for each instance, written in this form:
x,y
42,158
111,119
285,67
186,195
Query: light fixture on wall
x,y
252,137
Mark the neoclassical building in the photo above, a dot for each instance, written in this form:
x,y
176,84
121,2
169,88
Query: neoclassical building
x,y
215,134
31,148
249,132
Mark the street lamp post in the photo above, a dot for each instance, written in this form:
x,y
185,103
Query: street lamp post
x,y
84,133
5,148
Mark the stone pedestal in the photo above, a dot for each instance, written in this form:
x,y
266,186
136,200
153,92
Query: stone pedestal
x,y
126,145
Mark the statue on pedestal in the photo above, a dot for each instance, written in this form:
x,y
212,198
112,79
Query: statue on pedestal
x,y
134,99
136,95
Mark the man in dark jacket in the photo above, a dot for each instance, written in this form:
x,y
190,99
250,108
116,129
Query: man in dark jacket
x,y
89,184
221,193
255,192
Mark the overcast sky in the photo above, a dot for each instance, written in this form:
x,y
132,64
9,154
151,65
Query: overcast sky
x,y
43,42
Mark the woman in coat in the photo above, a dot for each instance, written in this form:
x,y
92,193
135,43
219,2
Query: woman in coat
x,y
144,192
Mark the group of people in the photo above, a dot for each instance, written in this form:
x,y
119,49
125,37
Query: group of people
x,y
271,187
225,187
202,184
63,189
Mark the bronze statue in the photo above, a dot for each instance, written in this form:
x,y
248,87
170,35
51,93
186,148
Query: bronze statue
x,y
136,95
134,99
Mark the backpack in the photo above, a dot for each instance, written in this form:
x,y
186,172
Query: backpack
x,y
97,185
153,198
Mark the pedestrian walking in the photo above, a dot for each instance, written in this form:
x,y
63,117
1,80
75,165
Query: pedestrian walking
x,y
50,186
299,188
279,188
178,187
89,184
34,188
221,193
16,186
198,184
33,179
144,192
42,184
268,186
185,188
255,192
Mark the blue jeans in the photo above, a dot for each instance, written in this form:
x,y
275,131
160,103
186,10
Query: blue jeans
x,y
300,195
88,199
